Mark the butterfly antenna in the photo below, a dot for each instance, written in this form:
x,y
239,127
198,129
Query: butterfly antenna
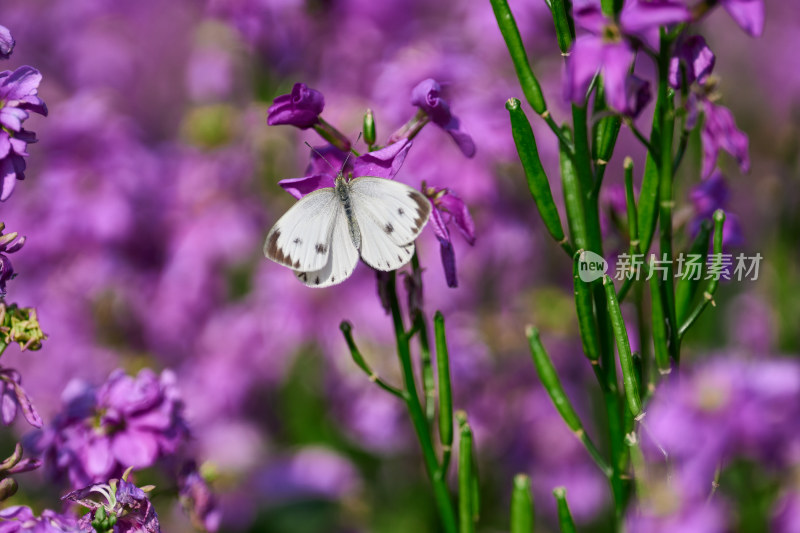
x,y
346,159
321,156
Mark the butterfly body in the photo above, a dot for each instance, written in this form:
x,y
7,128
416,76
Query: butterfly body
x,y
323,235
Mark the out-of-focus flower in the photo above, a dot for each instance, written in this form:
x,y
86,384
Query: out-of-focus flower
x,y
735,408
697,58
14,398
447,207
719,132
8,245
300,108
427,96
748,14
20,519
6,43
198,500
712,194
321,173
786,512
311,472
128,422
125,504
606,49
18,95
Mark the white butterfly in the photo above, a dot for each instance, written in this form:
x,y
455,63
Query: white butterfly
x,y
323,234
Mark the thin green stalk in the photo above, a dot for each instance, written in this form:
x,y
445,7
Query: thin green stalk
x,y
665,200
328,132
445,393
527,79
534,173
623,349
688,282
466,509
630,204
428,379
549,378
583,168
573,199
638,464
418,420
561,22
711,289
659,322
565,521
355,353
521,505
586,321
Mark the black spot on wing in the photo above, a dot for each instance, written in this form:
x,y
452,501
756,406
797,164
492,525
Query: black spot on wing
x,y
316,281
321,248
276,253
401,211
298,240
423,209
388,228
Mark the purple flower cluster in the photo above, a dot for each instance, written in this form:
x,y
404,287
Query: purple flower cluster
x,y
725,409
21,519
18,96
127,422
127,506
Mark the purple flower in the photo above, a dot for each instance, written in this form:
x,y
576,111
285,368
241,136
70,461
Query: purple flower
x,y
8,245
322,169
198,500
712,194
427,96
447,207
749,14
606,49
6,43
300,108
20,519
786,512
719,132
128,422
18,91
126,502
14,399
697,58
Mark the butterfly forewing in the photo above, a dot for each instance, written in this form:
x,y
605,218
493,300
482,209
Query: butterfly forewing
x,y
342,258
390,215
301,238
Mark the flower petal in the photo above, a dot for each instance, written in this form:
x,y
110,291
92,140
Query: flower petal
x,y
299,187
383,163
749,14
584,60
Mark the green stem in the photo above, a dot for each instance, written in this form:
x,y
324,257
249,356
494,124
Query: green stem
x,y
355,353
445,393
418,420
665,200
711,289
551,383
521,505
534,173
527,79
466,509
565,521
623,349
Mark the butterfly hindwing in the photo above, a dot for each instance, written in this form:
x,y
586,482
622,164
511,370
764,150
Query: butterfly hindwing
x,y
390,215
342,258
301,238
